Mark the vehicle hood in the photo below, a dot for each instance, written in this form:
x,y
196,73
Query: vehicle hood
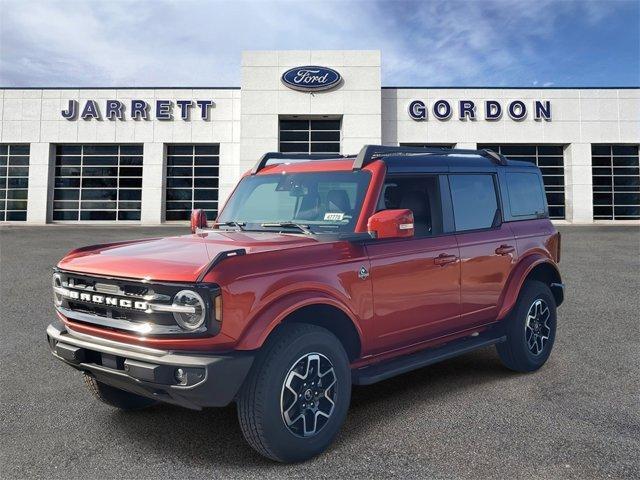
x,y
172,258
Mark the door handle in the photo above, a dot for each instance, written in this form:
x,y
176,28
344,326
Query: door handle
x,y
505,249
444,259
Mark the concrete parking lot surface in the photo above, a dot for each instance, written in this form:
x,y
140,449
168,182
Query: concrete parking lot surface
x,y
578,417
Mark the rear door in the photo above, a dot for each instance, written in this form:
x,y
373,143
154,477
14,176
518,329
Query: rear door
x,y
487,247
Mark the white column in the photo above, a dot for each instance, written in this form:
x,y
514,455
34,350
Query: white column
x,y
578,183
229,171
153,183
41,174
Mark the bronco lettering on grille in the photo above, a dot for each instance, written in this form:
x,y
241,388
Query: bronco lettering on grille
x,y
106,300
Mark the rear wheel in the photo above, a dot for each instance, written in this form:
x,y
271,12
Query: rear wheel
x,y
296,397
530,329
114,396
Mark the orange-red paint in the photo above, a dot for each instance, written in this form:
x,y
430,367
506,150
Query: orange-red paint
x,y
417,291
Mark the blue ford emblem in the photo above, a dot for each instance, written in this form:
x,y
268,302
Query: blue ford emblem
x,y
311,78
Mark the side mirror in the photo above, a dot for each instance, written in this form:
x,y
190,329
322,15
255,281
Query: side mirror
x,y
198,220
391,224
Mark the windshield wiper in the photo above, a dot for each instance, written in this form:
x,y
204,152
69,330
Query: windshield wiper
x,y
303,228
231,223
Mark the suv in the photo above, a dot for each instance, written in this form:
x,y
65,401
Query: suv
x,y
320,272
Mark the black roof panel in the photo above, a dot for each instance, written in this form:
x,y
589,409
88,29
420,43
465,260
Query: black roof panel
x,y
435,162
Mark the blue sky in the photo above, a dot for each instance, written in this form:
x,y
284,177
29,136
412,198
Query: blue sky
x,y
427,43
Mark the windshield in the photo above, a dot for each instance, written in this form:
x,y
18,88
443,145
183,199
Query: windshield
x,y
319,201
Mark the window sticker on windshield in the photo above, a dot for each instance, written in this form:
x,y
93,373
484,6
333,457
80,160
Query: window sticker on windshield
x,y
334,216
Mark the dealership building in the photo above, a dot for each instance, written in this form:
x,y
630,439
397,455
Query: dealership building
x,y
150,155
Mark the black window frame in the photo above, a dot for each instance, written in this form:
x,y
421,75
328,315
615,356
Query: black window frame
x,y
512,217
185,158
444,146
601,171
10,176
499,202
76,182
309,130
537,154
448,225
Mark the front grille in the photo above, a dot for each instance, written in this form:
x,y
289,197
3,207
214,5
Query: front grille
x,y
117,289
126,304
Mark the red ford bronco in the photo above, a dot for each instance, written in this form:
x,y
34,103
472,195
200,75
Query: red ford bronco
x,y
320,272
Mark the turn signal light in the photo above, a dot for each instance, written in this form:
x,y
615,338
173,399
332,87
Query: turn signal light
x,y
217,308
559,246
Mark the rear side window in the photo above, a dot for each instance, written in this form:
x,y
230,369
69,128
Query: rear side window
x,y
526,197
475,204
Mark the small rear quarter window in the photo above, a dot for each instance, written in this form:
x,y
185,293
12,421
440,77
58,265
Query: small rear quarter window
x,y
526,196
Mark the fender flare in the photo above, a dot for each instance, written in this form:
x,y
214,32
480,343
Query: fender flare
x,y
517,278
270,316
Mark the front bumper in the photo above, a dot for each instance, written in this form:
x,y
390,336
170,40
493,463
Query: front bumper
x,y
207,380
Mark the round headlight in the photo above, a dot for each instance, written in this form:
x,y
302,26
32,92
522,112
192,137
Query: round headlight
x,y
56,282
189,320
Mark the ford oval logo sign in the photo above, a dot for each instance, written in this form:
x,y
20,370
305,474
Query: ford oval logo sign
x,y
311,78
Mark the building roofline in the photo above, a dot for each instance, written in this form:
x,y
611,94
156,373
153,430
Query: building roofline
x,y
383,88
119,88
510,88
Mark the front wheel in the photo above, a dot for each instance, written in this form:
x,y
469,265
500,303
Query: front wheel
x,y
296,397
530,329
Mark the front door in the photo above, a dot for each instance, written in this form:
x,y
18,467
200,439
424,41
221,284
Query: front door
x,y
416,289
415,281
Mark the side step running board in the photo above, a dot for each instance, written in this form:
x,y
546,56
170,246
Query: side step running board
x,y
382,371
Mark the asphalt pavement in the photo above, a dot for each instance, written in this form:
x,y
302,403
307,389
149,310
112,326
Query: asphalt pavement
x,y
578,417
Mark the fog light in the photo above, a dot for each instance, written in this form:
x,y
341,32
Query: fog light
x,y
181,376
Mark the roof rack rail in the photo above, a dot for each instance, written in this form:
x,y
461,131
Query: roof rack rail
x,y
369,152
260,164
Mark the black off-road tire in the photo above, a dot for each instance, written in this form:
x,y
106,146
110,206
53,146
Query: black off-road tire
x,y
517,353
114,396
260,412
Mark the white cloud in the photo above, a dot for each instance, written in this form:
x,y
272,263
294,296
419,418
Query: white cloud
x,y
198,43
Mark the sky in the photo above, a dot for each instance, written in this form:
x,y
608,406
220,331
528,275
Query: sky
x,y
194,43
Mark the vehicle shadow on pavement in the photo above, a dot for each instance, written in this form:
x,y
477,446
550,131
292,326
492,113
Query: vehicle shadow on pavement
x,y
198,438
419,391
212,437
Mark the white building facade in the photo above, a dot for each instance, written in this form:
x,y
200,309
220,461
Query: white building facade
x,y
149,156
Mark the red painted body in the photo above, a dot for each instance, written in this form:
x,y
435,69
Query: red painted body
x,y
391,224
418,292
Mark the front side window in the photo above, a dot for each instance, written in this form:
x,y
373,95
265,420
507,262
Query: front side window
x,y
327,201
421,195
475,204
